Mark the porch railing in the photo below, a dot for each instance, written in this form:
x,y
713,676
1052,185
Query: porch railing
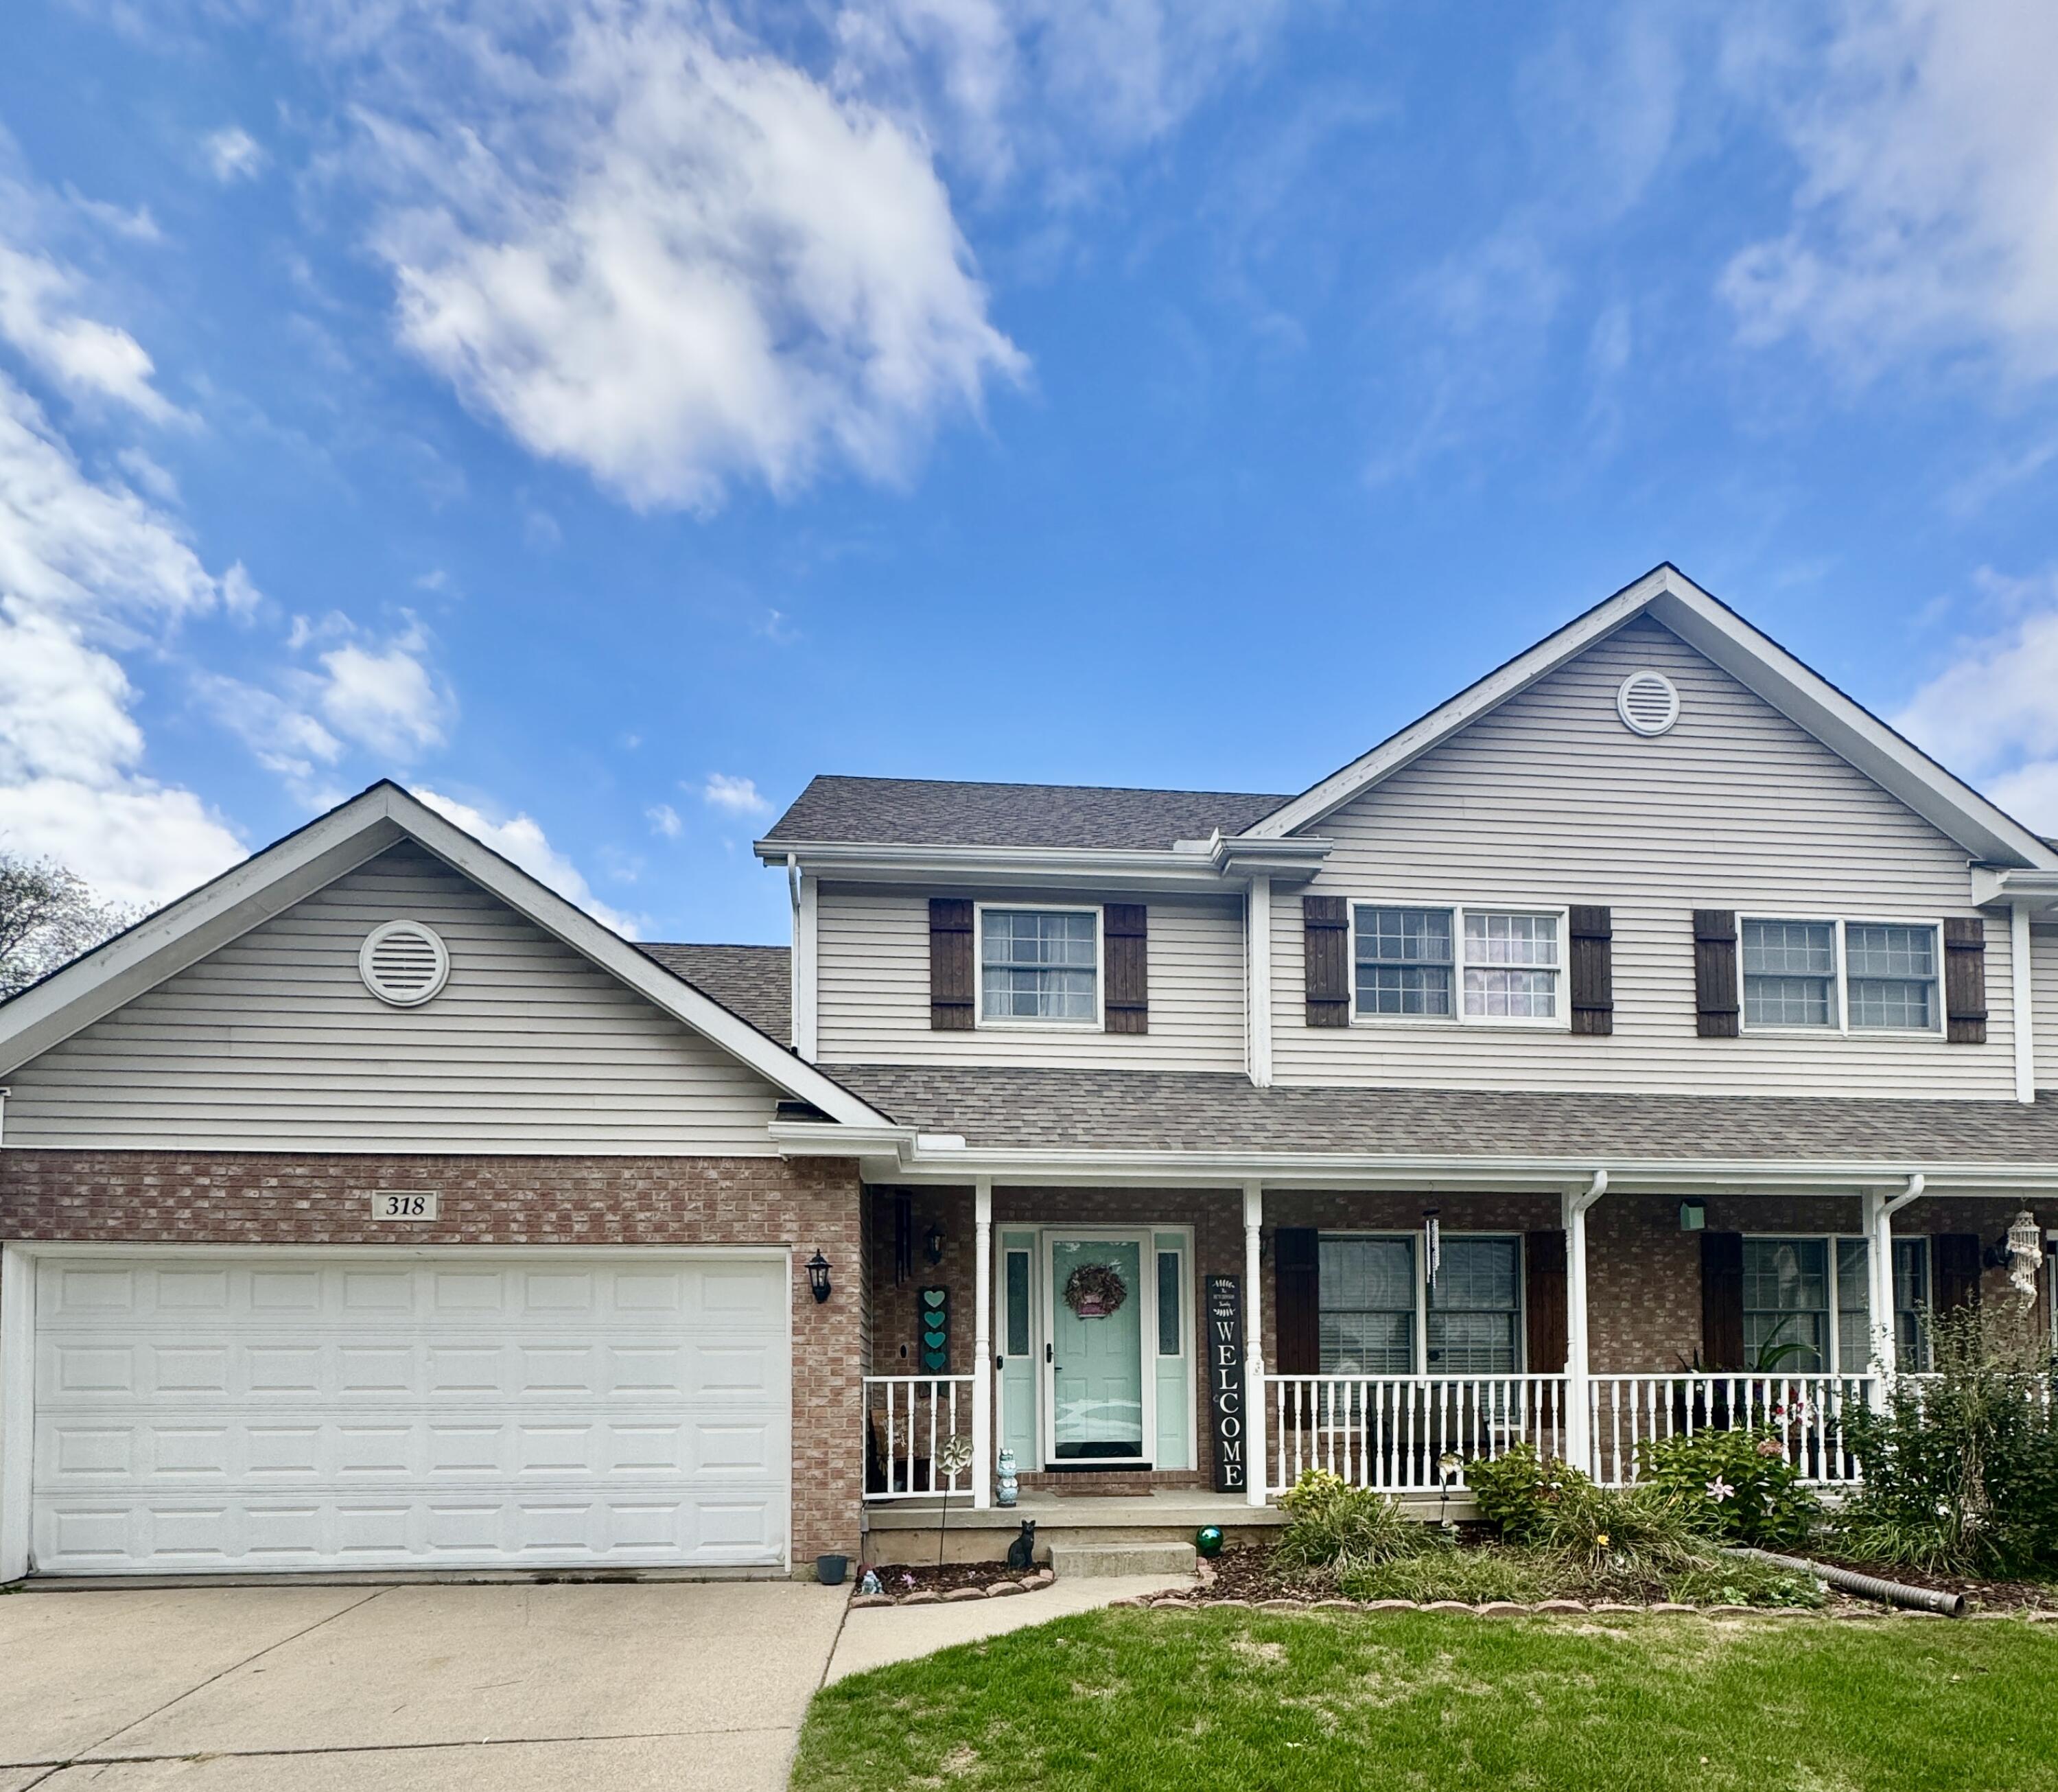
x,y
1395,1432
1806,1413
908,1419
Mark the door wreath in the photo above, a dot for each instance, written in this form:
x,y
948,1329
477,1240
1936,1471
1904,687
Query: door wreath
x,y
1093,1290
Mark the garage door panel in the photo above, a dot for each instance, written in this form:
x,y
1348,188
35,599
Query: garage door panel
x,y
300,1414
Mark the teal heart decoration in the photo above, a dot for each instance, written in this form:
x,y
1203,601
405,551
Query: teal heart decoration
x,y
934,1339
933,1296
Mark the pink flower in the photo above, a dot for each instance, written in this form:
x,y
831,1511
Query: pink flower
x,y
1771,1447
1719,1489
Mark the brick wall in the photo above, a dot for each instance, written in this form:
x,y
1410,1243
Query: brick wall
x,y
192,1197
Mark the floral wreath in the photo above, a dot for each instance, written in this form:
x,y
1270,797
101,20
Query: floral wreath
x,y
1094,1290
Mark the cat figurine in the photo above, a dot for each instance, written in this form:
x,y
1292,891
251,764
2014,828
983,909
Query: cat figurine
x,y
1022,1552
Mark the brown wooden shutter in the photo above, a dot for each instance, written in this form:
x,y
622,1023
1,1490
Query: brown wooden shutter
x,y
1715,973
1592,942
1955,1260
1544,1300
1125,937
1327,922
950,964
1965,979
1296,1300
1722,1300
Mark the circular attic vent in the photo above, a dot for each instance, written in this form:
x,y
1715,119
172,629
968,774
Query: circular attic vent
x,y
1648,703
404,962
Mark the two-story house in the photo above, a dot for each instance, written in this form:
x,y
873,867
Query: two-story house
x,y
1640,1040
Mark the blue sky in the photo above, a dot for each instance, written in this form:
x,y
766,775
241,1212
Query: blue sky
x,y
602,417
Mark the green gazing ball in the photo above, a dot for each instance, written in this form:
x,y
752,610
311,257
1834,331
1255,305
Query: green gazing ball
x,y
1208,1540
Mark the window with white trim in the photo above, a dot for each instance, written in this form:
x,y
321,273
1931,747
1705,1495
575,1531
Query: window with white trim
x,y
1458,962
1475,1308
1040,964
1852,976
1366,1298
1800,1320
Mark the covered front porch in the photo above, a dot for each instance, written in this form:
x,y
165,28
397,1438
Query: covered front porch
x,y
1141,1351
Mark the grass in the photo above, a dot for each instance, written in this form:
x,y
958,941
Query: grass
x,y
1189,1702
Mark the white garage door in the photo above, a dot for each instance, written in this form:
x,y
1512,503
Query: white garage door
x,y
274,1412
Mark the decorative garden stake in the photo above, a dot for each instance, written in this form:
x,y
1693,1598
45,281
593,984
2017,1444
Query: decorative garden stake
x,y
953,1460
1208,1540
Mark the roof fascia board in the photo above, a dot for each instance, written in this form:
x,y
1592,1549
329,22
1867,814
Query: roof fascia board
x,y
1055,867
1402,749
662,988
203,921
2037,891
1845,727
1330,1170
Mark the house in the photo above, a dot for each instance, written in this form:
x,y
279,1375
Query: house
x,y
1638,1040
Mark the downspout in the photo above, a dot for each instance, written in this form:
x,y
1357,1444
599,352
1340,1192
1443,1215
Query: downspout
x,y
1879,1211
1577,1428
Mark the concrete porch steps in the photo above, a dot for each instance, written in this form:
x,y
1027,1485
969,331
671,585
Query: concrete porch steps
x,y
1092,1561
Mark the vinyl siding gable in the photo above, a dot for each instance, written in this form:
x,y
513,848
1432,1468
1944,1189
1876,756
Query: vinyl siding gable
x,y
1550,801
273,1043
873,988
2043,997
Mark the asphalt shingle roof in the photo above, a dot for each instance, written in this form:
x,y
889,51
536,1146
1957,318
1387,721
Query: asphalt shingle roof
x,y
921,812
753,981
1195,1110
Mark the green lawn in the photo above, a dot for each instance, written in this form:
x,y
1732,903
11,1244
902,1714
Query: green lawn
x,y
1257,1702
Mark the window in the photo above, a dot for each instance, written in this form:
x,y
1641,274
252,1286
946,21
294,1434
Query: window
x,y
1040,964
1797,1322
1475,1308
1893,975
1366,1292
1477,964
1790,973
1017,1280
1171,1331
1850,976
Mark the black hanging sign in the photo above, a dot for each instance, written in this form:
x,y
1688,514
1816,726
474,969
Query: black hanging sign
x,y
1225,1343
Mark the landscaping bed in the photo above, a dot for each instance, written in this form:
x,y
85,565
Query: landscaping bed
x,y
928,1583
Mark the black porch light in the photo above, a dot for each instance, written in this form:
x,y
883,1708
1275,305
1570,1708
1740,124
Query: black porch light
x,y
818,1276
932,1243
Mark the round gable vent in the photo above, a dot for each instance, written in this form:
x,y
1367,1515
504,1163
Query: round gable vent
x,y
1648,702
404,962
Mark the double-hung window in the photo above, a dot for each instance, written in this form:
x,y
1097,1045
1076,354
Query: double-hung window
x,y
1475,1308
1039,965
1367,1299
1799,1319
1848,976
1458,962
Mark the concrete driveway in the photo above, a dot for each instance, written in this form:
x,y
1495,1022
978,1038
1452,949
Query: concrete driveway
x,y
682,1685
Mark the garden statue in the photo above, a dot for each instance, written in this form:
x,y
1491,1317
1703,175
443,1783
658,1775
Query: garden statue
x,y
1022,1552
1006,1486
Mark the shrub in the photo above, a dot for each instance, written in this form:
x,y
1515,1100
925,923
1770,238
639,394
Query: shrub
x,y
1518,1490
1329,1521
1960,1468
1734,1486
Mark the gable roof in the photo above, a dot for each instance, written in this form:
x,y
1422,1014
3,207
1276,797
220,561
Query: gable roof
x,y
755,981
924,811
316,856
1750,656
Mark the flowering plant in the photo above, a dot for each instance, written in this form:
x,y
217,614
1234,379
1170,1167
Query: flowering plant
x,y
1736,1486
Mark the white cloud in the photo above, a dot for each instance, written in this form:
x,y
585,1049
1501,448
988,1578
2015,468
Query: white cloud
x,y
524,841
1993,714
664,819
738,796
84,566
1925,217
232,154
675,261
385,700
37,316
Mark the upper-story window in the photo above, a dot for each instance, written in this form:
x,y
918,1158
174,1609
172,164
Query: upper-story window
x,y
1458,963
1039,965
1842,976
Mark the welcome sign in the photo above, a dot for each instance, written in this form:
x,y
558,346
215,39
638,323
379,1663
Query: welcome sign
x,y
1225,1383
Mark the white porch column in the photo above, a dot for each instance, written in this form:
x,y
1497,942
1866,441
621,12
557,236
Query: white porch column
x,y
1579,1432
1880,1208
1254,1344
1257,983
982,1344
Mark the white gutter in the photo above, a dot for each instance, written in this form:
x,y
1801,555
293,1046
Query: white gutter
x,y
1194,866
2035,890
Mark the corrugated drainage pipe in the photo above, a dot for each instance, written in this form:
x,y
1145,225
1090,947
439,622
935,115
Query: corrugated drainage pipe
x,y
1868,1586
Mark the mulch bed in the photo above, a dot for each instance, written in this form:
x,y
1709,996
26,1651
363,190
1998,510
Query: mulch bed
x,y
926,1583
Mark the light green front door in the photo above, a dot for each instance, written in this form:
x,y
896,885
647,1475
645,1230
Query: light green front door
x,y
1097,1389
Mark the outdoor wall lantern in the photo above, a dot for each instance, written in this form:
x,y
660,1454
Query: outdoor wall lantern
x,y
932,1243
818,1276
1693,1216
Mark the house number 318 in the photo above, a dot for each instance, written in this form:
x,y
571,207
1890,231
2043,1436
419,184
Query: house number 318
x,y
403,1204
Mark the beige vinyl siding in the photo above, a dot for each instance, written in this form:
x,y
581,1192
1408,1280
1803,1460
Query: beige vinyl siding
x,y
1551,800
274,1043
2043,971
873,988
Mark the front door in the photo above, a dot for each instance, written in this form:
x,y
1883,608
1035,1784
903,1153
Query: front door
x,y
1099,1412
